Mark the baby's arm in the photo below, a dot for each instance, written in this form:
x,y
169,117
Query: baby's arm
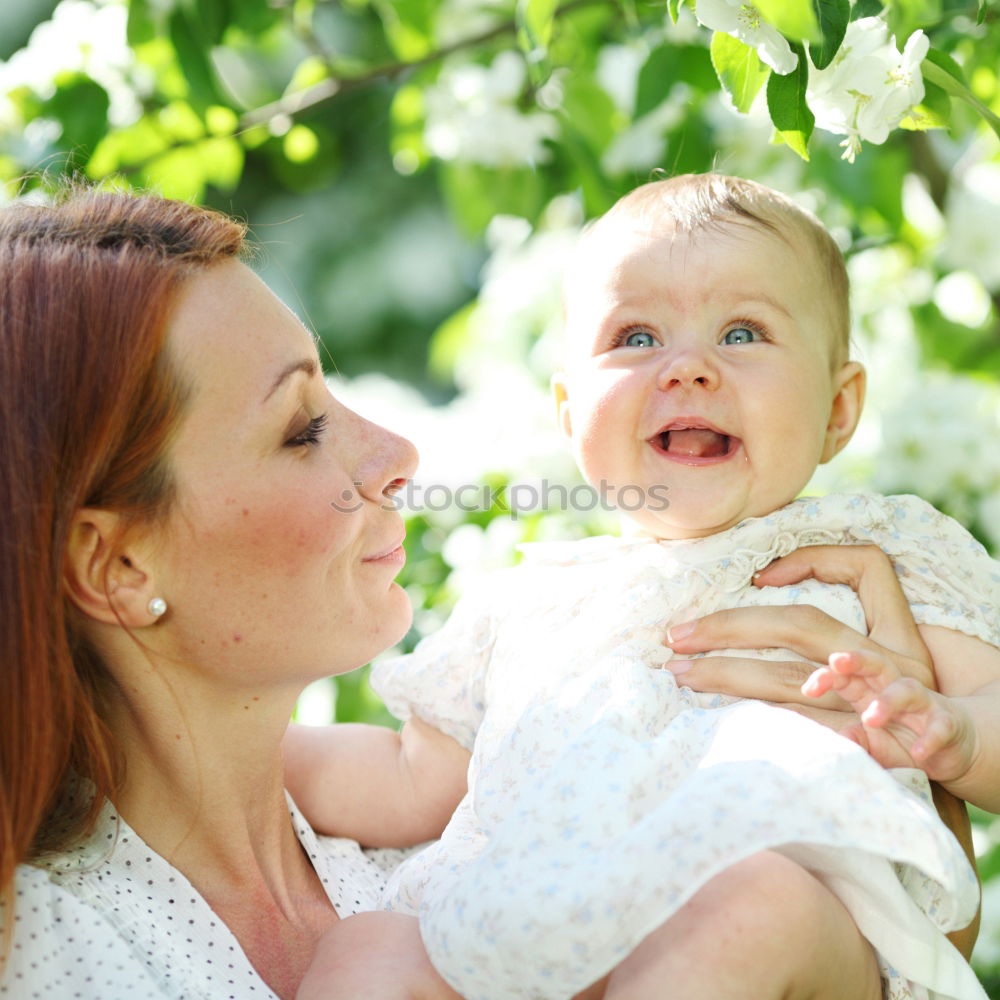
x,y
373,784
378,956
952,734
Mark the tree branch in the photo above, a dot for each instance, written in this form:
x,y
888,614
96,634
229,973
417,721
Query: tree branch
x,y
326,90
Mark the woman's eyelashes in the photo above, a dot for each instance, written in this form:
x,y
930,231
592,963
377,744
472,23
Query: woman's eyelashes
x,y
312,433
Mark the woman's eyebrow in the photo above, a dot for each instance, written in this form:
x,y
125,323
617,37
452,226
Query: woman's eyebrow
x,y
308,365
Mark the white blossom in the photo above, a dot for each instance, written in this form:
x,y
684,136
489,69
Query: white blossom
x,y
744,21
472,116
618,69
938,441
869,87
962,299
972,215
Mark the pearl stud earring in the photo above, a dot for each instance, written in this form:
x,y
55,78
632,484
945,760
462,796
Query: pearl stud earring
x,y
157,606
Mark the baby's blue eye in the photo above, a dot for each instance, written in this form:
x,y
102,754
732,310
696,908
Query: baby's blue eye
x,y
740,335
639,338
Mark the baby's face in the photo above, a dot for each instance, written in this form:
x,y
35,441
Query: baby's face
x,y
699,371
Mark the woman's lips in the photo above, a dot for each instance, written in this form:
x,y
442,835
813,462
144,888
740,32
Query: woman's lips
x,y
394,555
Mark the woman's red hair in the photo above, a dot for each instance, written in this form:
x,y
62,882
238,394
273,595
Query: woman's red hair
x,y
88,401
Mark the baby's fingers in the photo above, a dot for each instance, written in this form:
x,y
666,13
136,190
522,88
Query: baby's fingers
x,y
902,696
857,676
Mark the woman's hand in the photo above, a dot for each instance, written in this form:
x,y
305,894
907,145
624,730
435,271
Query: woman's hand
x,y
893,641
804,630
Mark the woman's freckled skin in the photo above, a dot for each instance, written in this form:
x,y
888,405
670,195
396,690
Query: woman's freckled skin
x,y
250,498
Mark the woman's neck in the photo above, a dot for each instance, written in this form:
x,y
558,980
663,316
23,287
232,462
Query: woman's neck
x,y
204,790
203,782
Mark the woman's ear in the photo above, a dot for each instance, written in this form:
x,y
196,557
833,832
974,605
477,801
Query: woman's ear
x,y
845,411
104,577
560,394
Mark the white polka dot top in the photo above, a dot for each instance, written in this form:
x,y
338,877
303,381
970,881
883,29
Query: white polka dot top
x,y
112,920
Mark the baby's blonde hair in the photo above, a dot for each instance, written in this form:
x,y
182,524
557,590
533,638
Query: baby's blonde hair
x,y
692,202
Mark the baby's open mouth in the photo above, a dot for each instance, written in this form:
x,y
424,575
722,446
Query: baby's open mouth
x,y
694,442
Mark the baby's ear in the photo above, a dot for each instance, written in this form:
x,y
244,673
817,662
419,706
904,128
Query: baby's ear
x,y
845,411
560,393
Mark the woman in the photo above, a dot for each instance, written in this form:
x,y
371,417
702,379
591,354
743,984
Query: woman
x,y
173,575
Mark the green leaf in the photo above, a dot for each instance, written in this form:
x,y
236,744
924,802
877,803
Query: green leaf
x,y
177,173
210,17
674,8
300,144
81,107
739,69
409,26
906,16
126,147
866,8
446,344
142,25
786,103
192,54
667,65
181,122
921,118
255,16
222,161
834,16
795,19
534,20
947,63
940,69
588,175
475,194
590,111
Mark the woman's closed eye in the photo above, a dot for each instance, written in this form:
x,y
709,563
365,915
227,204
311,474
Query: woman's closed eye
x,y
312,433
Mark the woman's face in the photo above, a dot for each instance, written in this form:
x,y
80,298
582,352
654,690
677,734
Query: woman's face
x,y
278,558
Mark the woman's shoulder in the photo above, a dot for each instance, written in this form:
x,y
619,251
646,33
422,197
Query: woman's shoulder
x,y
61,946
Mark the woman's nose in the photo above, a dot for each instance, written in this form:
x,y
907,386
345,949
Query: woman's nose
x,y
388,461
687,366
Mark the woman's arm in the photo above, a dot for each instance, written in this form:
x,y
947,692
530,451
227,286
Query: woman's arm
x,y
373,784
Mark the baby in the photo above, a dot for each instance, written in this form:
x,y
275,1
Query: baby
x,y
706,352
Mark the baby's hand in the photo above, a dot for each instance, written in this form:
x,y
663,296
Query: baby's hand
x,y
377,956
904,724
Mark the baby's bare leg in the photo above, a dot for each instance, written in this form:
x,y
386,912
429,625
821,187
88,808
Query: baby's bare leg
x,y
377,956
764,928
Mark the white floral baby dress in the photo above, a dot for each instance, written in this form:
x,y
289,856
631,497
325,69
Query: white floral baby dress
x,y
603,795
